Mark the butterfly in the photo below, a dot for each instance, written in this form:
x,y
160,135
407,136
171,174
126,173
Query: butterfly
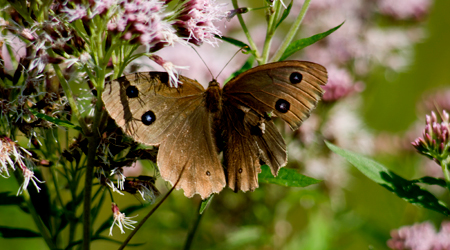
x,y
192,125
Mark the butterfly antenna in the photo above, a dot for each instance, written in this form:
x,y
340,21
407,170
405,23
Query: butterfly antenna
x,y
203,61
245,47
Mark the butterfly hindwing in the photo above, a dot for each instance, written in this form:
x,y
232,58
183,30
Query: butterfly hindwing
x,y
250,139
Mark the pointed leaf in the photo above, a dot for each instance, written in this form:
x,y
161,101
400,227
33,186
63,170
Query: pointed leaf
x,y
6,198
305,42
285,14
403,188
431,181
235,42
205,204
286,177
56,121
10,232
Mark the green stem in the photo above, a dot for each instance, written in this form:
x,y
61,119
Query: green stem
x,y
270,32
445,165
292,32
45,233
191,233
252,43
124,244
93,144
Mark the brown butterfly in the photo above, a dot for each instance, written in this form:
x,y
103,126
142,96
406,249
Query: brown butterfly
x,y
192,125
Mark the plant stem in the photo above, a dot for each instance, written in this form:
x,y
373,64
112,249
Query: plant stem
x,y
94,141
292,32
124,244
444,165
252,43
270,32
38,221
191,233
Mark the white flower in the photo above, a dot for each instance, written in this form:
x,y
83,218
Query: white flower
x,y
121,221
146,193
27,176
121,177
170,68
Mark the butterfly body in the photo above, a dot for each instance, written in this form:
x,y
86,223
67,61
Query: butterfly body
x,y
192,125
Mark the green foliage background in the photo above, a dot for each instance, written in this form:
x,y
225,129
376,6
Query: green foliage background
x,y
257,220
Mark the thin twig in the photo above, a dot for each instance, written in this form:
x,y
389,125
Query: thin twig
x,y
193,230
141,223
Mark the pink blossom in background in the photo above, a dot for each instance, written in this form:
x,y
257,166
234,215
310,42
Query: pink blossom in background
x,y
340,85
18,48
404,9
196,21
439,99
360,43
422,236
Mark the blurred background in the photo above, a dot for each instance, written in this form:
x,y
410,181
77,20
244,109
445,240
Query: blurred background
x,y
388,67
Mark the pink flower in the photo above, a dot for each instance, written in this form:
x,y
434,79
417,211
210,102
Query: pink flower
x,y
421,236
404,9
435,141
75,13
340,85
195,22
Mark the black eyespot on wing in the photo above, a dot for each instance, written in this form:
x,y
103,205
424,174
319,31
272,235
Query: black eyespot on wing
x,y
282,106
132,91
295,78
164,78
148,118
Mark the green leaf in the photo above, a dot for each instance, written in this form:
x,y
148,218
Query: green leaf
x,y
235,42
205,204
56,121
285,14
10,232
305,42
247,65
7,199
286,177
431,181
405,189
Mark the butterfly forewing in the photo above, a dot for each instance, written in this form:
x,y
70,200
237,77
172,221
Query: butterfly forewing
x,y
289,89
150,95
153,113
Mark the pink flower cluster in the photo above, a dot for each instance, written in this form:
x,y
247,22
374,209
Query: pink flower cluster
x,y
360,44
195,21
421,236
340,85
148,22
435,142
